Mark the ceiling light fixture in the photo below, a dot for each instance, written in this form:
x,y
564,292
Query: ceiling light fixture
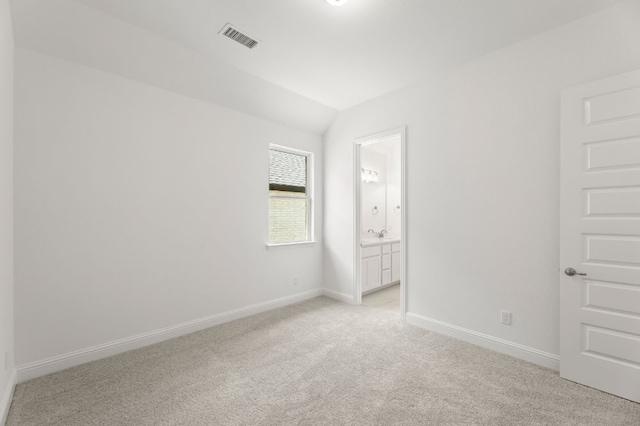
x,y
336,2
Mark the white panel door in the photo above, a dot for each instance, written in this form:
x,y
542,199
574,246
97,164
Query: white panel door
x,y
600,235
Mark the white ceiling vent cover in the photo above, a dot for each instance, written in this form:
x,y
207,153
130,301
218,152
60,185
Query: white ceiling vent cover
x,y
235,34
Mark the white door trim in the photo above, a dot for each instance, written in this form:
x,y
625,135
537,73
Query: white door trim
x,y
357,273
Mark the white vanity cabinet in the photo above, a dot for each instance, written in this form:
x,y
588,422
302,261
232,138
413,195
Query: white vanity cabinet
x,y
370,268
396,262
386,264
381,264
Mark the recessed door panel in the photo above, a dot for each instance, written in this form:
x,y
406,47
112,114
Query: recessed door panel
x,y
612,202
616,297
622,250
615,345
607,155
612,106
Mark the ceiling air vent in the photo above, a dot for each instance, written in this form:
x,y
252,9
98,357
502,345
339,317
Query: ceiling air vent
x,y
235,34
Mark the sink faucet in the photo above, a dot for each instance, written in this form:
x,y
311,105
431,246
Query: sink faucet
x,y
371,231
384,231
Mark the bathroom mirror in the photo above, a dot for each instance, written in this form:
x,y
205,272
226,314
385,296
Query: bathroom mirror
x,y
381,188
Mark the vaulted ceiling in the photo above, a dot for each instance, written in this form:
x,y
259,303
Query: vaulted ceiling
x,y
313,59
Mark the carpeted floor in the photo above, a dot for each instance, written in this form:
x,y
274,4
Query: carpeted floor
x,y
314,363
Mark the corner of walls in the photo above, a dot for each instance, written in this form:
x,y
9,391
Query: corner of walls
x,y
7,397
482,182
175,236
7,372
535,356
62,362
336,295
338,147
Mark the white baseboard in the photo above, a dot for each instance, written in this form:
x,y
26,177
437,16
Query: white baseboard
x,y
7,397
516,350
62,362
342,297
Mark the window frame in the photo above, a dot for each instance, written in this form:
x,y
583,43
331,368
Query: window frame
x,y
309,196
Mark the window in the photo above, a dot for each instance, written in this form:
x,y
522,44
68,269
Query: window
x,y
289,196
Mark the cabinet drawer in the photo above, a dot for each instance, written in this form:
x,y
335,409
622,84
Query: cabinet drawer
x,y
396,247
370,251
386,261
386,248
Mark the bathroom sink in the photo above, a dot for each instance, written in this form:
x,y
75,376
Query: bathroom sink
x,y
373,241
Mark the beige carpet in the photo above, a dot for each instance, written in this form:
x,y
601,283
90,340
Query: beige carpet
x,y
317,362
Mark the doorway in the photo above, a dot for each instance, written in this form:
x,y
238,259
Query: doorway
x,y
380,221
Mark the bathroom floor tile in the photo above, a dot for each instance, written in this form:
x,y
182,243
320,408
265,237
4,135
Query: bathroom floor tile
x,y
387,299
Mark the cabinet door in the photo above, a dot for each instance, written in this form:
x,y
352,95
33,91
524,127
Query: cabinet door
x,y
396,266
386,276
371,278
386,261
374,272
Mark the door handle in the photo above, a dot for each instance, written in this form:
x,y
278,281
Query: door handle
x,y
571,272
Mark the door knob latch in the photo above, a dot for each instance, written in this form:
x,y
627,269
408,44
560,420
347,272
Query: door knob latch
x,y
571,272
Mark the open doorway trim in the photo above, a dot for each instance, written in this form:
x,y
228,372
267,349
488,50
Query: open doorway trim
x,y
357,145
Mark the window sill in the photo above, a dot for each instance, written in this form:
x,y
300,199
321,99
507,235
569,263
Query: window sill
x,y
282,246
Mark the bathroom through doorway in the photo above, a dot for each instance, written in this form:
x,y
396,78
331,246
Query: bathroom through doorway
x,y
380,243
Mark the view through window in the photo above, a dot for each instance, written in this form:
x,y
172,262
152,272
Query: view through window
x,y
289,200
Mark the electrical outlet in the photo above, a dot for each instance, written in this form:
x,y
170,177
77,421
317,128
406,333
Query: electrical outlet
x,y
505,317
295,280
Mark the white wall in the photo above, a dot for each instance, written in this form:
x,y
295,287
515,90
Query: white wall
x,y
139,209
483,177
6,200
